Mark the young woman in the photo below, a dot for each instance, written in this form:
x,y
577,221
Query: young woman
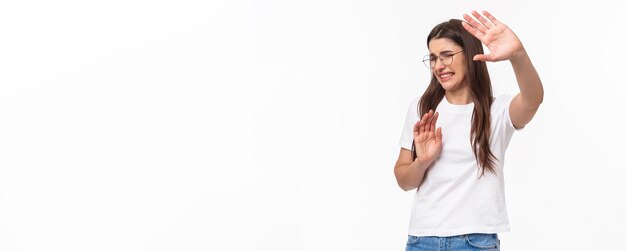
x,y
454,154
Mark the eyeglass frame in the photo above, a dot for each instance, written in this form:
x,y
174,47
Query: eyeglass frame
x,y
440,59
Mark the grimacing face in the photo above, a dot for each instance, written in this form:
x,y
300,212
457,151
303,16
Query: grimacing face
x,y
452,77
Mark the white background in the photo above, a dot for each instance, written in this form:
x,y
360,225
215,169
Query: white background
x,y
274,125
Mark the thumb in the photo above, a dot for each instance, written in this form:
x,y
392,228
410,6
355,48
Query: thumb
x,y
482,57
439,135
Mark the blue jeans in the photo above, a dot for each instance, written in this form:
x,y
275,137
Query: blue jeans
x,y
466,242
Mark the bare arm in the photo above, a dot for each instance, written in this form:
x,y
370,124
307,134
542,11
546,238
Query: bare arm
x,y
525,104
410,173
503,44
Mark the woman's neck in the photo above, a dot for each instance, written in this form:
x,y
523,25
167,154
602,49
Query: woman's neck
x,y
459,97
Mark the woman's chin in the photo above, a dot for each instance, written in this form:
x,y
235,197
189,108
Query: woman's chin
x,y
448,85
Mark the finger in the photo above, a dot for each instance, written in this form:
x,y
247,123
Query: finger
x,y
473,31
418,126
416,129
434,121
424,116
478,26
430,118
483,57
492,18
422,123
482,19
438,135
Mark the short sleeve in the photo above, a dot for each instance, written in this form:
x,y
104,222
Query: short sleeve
x,y
502,128
503,105
501,123
406,139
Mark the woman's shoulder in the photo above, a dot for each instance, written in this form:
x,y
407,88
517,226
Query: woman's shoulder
x,y
501,100
500,105
414,102
411,113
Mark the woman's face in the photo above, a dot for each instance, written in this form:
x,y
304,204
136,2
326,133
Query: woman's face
x,y
453,76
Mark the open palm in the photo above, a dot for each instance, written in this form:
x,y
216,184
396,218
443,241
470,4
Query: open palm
x,y
427,140
503,44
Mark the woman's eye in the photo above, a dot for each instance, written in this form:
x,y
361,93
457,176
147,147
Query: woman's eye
x,y
445,55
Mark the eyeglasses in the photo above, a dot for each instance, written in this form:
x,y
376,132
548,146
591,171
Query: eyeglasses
x,y
445,58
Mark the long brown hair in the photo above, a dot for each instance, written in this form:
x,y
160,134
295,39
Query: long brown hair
x,y
479,86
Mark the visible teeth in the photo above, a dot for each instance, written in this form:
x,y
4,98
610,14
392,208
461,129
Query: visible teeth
x,y
446,75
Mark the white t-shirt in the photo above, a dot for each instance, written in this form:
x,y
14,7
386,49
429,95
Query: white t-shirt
x,y
452,199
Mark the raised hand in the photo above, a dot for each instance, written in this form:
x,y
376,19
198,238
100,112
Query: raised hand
x,y
503,44
427,140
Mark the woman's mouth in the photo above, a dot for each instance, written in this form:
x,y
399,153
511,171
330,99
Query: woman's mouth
x,y
443,77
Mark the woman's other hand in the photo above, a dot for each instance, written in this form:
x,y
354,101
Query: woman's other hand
x,y
427,140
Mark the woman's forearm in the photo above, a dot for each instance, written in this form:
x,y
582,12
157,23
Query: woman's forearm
x,y
410,176
531,89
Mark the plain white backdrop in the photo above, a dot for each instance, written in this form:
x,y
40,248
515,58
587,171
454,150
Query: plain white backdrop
x,y
274,125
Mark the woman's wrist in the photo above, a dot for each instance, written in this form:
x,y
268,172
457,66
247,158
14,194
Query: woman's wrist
x,y
519,57
422,163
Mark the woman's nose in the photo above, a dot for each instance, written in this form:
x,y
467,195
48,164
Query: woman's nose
x,y
438,65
